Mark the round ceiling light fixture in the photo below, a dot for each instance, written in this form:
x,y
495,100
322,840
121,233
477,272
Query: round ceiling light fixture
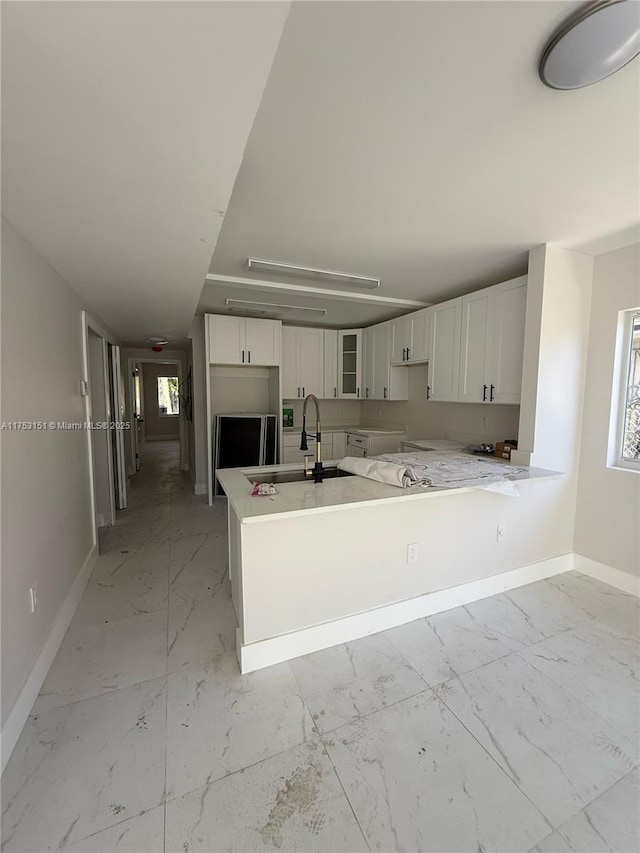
x,y
157,340
593,43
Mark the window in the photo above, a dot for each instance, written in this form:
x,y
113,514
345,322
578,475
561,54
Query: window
x,y
628,420
168,396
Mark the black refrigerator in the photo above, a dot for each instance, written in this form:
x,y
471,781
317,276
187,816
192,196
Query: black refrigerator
x,y
241,440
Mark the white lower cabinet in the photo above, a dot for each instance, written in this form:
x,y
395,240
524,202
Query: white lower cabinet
x,y
339,445
292,452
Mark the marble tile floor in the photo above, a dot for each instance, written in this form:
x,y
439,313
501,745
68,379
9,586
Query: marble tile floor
x,y
510,724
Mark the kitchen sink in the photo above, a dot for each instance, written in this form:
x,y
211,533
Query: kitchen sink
x,y
296,476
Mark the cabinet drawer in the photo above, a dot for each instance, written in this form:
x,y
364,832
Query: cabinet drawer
x,y
357,440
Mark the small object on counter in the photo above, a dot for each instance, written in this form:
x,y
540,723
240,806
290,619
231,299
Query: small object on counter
x,y
504,448
287,417
263,489
485,449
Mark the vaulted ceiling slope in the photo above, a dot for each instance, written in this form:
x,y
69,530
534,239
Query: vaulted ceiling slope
x,y
414,142
123,129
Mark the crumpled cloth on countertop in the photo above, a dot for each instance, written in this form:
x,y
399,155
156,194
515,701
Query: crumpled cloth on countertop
x,y
448,469
373,468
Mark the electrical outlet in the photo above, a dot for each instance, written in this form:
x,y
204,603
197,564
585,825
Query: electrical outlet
x,y
33,597
501,532
484,423
412,552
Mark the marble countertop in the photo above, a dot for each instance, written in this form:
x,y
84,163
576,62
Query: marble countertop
x,y
359,429
297,498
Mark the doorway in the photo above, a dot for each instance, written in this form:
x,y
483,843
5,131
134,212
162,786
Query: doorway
x,y
104,412
156,400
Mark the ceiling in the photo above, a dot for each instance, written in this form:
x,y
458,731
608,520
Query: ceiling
x,y
123,129
407,141
414,142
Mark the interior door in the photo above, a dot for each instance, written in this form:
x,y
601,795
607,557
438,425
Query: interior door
x,y
118,410
137,419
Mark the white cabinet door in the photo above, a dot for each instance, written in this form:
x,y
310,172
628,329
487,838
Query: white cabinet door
x,y
330,363
262,342
381,362
401,340
506,340
368,346
444,350
474,382
420,328
226,339
289,367
339,445
350,363
311,361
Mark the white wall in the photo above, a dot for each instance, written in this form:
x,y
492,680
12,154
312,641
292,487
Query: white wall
x,y
47,528
200,376
608,510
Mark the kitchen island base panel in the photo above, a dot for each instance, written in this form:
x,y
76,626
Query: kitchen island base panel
x,y
254,656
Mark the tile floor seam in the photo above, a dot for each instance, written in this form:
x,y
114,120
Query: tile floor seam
x,y
97,695
594,800
604,721
119,619
344,791
496,762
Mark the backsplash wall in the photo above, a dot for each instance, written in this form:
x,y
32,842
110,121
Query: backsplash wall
x,y
334,412
425,419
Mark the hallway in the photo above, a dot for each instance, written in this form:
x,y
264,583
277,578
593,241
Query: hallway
x,y
508,724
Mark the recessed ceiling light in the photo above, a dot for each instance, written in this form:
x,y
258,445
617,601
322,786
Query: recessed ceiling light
x,y
593,43
276,305
311,273
157,340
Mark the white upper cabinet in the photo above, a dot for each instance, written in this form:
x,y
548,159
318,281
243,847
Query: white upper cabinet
x,y
444,350
244,340
368,346
330,363
420,335
410,337
506,340
350,363
401,339
383,381
474,366
492,343
302,362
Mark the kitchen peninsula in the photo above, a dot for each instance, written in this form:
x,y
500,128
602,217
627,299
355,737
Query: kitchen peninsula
x,y
316,565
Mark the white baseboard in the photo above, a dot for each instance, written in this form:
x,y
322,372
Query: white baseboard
x,y
200,488
31,688
607,574
277,649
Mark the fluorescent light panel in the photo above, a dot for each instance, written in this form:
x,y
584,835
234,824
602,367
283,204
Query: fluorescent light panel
x,y
309,272
277,305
